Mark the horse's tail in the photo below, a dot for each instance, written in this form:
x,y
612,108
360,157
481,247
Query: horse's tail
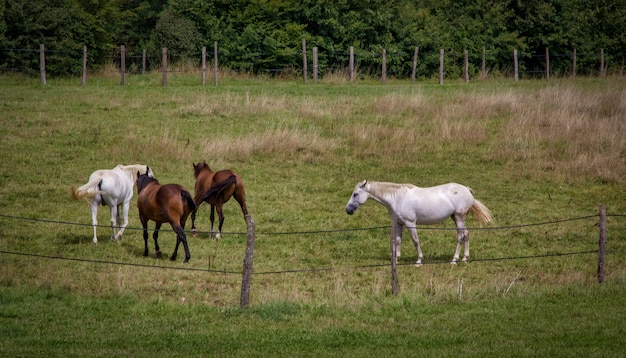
x,y
87,191
481,213
216,190
187,197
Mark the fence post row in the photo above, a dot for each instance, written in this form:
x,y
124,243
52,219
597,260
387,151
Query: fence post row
x,y
42,60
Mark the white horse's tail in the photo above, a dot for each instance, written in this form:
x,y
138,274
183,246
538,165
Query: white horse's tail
x,y
87,191
481,213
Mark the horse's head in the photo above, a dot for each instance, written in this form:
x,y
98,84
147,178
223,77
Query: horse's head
x,y
198,168
358,198
143,180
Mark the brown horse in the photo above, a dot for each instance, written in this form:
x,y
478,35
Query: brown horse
x,y
169,203
225,183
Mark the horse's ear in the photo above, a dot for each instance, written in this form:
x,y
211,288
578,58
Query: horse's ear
x,y
363,183
194,165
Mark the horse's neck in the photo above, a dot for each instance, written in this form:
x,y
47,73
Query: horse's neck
x,y
384,193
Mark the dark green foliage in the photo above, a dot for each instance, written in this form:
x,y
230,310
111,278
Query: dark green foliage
x,y
265,36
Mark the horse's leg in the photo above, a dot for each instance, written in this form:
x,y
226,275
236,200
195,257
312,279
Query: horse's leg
x,y
396,236
94,219
212,219
114,221
155,236
193,221
462,237
416,242
144,224
180,237
220,213
125,207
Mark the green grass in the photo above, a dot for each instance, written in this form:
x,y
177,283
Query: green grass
x,y
533,151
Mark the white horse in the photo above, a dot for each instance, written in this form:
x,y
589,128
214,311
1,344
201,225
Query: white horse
x,y
112,187
409,205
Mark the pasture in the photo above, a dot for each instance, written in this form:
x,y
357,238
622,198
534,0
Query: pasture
x,y
542,156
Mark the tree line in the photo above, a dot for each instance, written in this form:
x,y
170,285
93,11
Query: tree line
x,y
264,35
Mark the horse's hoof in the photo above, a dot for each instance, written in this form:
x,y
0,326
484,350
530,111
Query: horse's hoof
x,y
418,264
157,254
186,260
452,262
173,258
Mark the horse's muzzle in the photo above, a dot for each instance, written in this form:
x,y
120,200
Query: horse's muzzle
x,y
350,210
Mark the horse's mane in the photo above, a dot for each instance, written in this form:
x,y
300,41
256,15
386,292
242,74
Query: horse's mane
x,y
384,188
198,168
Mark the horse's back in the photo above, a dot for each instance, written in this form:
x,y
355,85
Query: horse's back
x,y
435,204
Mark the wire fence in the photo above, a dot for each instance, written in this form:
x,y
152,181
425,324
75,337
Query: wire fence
x,y
311,232
400,64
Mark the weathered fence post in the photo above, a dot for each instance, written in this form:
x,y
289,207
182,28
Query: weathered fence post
x,y
466,61
414,64
515,68
304,64
164,66
123,64
602,243
574,64
483,70
547,64
203,65
42,63
143,62
384,69
215,69
315,64
247,263
351,64
441,66
394,263
84,65
602,62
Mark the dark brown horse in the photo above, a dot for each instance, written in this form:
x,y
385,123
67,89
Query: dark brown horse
x,y
216,188
169,203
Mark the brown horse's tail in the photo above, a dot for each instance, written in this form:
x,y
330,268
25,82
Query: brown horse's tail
x,y
216,190
481,213
187,197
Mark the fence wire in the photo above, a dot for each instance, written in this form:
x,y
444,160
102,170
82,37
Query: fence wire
x,y
310,270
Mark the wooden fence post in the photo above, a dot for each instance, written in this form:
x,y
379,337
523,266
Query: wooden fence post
x,y
143,62
123,64
602,62
351,64
203,65
574,64
215,68
304,64
441,66
414,64
84,65
384,69
466,61
515,68
164,66
602,244
247,263
547,64
42,63
483,70
315,64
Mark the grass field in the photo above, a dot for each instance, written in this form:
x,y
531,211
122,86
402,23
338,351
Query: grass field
x,y
541,155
